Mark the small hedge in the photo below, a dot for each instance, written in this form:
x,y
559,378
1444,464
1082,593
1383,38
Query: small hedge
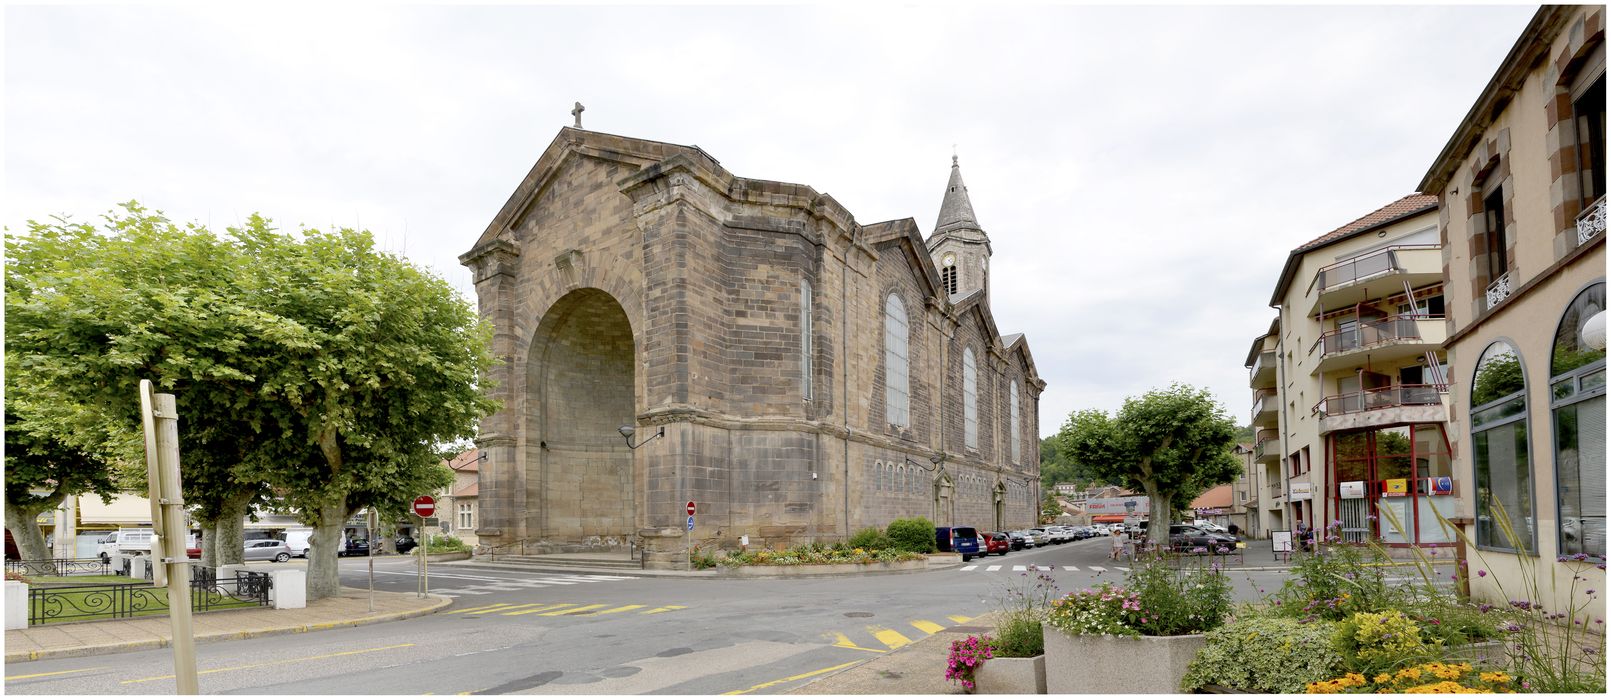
x,y
912,534
817,554
1266,655
871,538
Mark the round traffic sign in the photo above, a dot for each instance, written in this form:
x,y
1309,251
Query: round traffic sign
x,y
690,507
425,506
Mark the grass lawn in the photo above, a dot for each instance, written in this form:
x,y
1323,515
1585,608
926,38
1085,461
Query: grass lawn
x,y
83,606
46,581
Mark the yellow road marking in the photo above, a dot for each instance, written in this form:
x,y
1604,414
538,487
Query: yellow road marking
x,y
509,610
667,608
926,626
890,638
53,673
959,619
275,663
623,608
540,609
808,674
557,613
844,642
483,608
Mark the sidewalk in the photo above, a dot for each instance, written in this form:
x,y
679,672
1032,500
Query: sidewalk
x,y
349,609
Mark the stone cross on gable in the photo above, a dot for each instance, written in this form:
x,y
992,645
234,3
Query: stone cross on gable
x,y
577,112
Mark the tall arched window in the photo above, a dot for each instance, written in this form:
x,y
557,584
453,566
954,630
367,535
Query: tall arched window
x,y
1012,410
805,339
897,387
1577,391
1499,451
970,400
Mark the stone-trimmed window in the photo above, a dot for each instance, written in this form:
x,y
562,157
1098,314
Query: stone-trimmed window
x,y
1499,451
1494,243
466,516
1588,120
1577,408
806,306
897,368
970,400
1012,410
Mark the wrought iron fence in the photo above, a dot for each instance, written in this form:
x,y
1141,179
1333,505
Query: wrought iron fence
x,y
208,591
59,567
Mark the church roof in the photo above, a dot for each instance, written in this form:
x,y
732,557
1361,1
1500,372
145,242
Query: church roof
x,y
956,211
1008,340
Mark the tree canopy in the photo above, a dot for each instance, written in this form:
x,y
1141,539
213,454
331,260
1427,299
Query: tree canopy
x,y
1172,444
312,367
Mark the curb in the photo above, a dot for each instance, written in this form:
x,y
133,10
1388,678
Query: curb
x,y
99,649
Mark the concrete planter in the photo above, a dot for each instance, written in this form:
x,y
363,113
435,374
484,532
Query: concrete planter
x,y
805,570
1007,676
1104,664
16,605
447,556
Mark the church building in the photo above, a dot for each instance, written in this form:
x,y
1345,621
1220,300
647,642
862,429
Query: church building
x,y
671,333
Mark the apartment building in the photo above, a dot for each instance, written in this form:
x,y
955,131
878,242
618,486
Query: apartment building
x,y
1349,400
1521,186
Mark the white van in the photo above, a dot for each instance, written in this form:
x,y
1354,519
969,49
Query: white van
x,y
297,540
133,540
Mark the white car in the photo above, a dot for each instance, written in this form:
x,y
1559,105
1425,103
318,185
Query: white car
x,y
267,550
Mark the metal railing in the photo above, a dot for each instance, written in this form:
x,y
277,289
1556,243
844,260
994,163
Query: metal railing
x,y
59,567
1265,360
77,602
1591,221
1367,265
1384,397
1498,290
1372,332
1277,491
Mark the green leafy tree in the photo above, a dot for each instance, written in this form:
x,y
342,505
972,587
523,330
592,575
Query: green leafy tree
x,y
42,470
1172,444
1050,508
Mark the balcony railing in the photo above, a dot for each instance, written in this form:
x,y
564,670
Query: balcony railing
x,y
1276,491
1263,399
1591,222
1384,397
1265,443
1371,332
1368,265
1265,362
1498,290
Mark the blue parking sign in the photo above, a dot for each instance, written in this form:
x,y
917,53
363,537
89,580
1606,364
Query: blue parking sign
x,y
690,523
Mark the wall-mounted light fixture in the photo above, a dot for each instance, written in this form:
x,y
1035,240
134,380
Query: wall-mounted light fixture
x,y
627,431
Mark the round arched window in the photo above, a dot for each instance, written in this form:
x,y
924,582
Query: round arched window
x,y
1577,412
1499,451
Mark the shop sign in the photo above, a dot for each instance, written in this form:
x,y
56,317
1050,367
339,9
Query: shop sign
x,y
1441,485
1351,489
1395,487
1123,505
1302,491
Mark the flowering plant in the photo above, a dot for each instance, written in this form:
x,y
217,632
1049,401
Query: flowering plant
x,y
966,657
1433,677
1107,609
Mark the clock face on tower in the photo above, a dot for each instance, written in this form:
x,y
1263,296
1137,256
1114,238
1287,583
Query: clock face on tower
x,y
949,260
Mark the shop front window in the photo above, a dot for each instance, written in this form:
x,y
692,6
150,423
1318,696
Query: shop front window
x,y
1504,494
1577,391
1393,483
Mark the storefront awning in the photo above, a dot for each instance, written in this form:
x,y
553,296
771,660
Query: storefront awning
x,y
1107,518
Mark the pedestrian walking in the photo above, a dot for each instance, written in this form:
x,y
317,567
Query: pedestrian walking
x,y
1118,538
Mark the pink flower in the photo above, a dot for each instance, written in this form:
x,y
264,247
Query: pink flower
x,y
1481,573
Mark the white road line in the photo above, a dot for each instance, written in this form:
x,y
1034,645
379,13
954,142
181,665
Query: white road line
x,y
996,567
1018,568
970,568
1098,569
1071,568
1122,568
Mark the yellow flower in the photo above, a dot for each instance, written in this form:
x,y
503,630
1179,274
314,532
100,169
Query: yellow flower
x,y
1495,677
1383,678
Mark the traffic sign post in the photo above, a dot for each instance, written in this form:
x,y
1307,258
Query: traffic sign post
x,y
424,507
160,419
691,508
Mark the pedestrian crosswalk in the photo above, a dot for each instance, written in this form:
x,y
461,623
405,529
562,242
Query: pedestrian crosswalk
x,y
563,609
470,585
880,639
1025,568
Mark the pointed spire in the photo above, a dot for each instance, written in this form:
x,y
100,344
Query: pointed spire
x,y
956,212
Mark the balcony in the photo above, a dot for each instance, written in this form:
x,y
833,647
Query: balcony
x,y
1266,408
1498,290
1344,283
1267,446
1386,340
1591,222
1388,405
1276,492
1262,374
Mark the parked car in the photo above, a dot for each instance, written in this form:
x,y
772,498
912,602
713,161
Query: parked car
x,y
1189,537
297,540
1025,537
1209,526
354,548
960,539
996,543
405,544
1016,539
267,550
1039,535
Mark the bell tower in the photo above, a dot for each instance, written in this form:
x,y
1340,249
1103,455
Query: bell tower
x,y
960,248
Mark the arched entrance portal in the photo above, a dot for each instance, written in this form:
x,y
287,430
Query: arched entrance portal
x,y
579,383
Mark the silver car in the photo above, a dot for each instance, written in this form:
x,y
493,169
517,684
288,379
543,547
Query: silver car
x,y
267,550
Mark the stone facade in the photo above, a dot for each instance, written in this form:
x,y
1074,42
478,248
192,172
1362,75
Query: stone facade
x,y
637,283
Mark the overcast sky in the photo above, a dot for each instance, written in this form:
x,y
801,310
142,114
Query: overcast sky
x,y
1142,173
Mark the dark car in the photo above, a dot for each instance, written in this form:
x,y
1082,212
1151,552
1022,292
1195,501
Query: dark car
x,y
1188,538
1017,539
997,543
354,548
960,539
405,544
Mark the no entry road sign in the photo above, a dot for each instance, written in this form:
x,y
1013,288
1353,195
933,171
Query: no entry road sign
x,y
425,506
691,508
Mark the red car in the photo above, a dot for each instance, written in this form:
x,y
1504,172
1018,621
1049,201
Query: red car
x,y
997,543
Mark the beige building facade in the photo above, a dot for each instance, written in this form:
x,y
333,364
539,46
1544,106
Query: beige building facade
x,y
1349,401
1521,186
796,374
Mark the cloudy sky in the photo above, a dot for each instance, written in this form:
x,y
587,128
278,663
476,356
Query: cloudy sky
x,y
1142,172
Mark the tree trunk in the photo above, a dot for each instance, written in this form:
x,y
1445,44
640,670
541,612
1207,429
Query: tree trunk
x,y
1158,517
23,522
209,545
229,528
324,573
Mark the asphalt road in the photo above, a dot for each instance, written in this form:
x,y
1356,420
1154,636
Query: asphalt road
x,y
531,632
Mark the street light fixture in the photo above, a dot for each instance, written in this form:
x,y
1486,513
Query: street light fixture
x,y
627,432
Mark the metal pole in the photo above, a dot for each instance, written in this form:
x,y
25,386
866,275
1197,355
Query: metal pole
x,y
372,559
173,524
425,560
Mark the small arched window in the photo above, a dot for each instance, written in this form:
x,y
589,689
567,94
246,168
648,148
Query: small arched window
x,y
970,400
1577,409
897,383
1012,410
1499,451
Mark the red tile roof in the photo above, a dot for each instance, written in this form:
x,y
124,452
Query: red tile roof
x,y
1411,204
467,461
